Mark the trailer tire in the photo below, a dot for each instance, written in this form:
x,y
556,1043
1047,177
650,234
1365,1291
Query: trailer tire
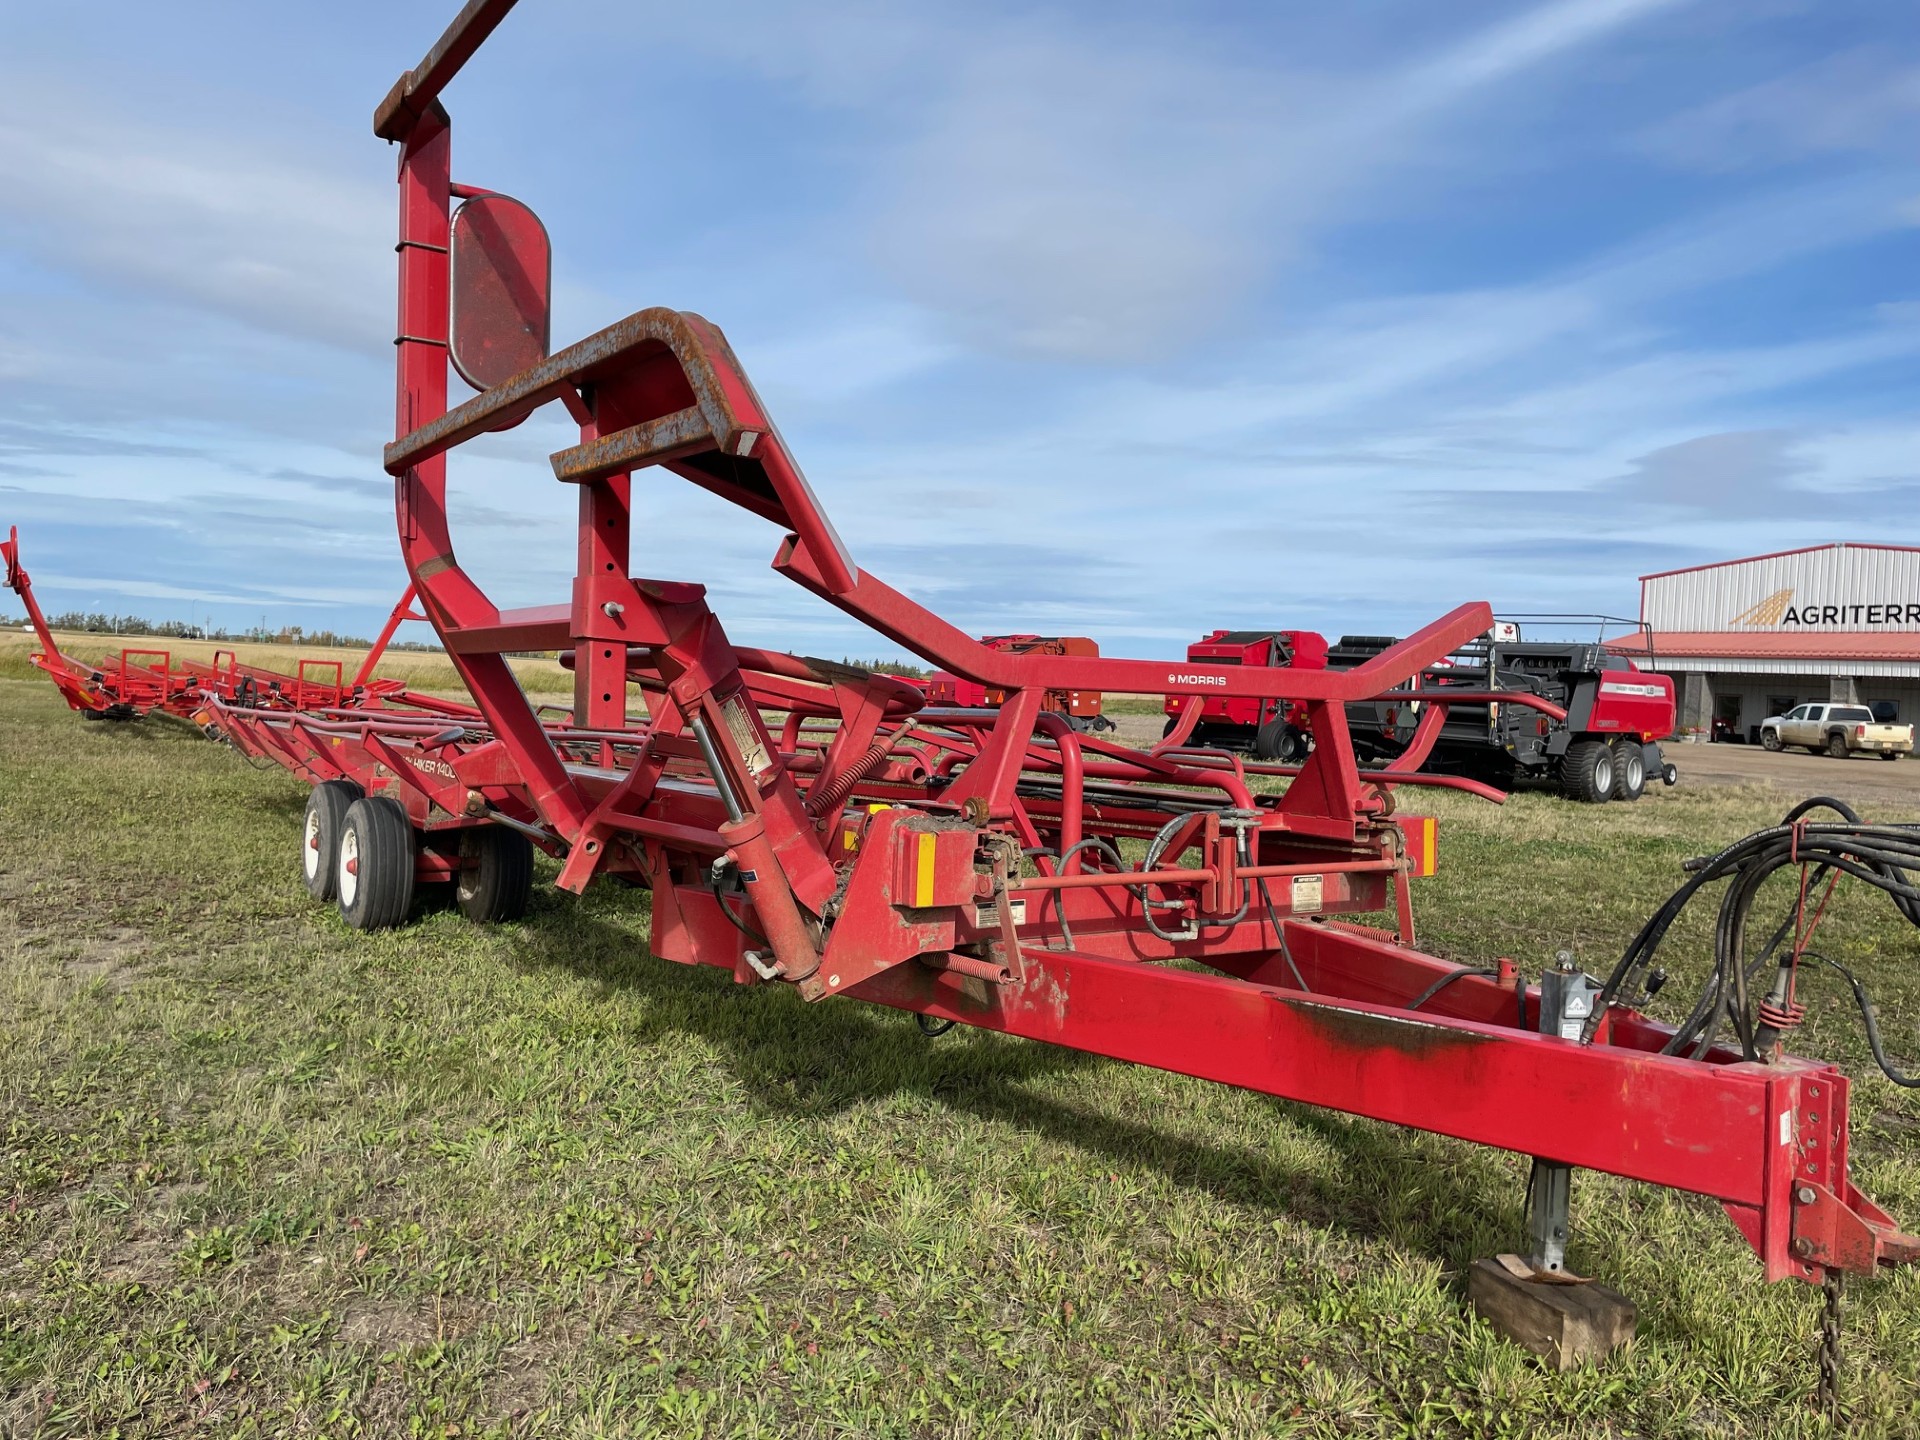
x,y
496,874
375,871
1586,772
1837,745
320,836
1629,770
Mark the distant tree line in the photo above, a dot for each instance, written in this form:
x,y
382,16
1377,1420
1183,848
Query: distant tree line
x,y
97,622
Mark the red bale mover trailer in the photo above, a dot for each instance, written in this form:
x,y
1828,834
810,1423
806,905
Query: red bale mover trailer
x,y
822,829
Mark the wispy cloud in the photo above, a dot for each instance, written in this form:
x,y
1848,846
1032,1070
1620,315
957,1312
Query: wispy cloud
x,y
1862,99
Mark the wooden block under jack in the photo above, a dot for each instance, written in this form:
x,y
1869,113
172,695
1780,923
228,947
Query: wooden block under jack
x,y
1566,1324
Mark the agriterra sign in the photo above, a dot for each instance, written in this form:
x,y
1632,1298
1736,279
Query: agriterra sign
x,y
1780,608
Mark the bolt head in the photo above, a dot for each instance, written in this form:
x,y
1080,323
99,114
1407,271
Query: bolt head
x,y
1803,1247
1804,1195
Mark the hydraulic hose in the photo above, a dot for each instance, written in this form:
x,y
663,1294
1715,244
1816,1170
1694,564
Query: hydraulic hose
x,y
1880,855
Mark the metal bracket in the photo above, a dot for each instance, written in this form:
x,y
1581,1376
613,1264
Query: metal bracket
x,y
1852,1234
1549,1189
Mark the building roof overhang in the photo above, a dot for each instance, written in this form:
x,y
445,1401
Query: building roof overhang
x,y
1895,645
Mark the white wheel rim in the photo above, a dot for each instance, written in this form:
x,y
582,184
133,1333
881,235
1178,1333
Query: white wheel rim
x,y
1603,774
1636,772
349,866
310,858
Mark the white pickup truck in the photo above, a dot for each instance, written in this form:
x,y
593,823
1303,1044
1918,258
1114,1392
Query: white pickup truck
x,y
1840,730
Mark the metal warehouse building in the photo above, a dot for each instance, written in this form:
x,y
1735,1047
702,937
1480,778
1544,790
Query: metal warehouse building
x,y
1745,639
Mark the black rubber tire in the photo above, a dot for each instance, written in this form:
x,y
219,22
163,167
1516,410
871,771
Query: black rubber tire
x,y
377,840
1889,754
1270,740
1770,740
1629,770
1167,729
1837,745
496,874
1297,747
320,836
1586,771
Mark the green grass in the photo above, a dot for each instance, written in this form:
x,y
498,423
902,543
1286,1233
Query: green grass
x,y
264,1175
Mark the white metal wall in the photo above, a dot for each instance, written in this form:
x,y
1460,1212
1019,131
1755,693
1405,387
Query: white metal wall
x,y
1835,588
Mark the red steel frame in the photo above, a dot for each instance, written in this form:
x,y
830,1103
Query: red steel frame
x,y
874,843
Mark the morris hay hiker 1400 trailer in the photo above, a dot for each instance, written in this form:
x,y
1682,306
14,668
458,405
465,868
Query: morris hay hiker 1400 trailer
x,y
820,828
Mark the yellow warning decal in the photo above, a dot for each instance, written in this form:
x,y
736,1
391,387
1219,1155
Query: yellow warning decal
x,y
923,871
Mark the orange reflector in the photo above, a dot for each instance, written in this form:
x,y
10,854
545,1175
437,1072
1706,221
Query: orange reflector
x,y
1423,843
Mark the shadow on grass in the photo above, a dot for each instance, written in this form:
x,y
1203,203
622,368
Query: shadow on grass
x,y
805,1061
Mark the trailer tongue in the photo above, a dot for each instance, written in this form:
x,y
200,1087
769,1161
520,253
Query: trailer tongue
x,y
818,827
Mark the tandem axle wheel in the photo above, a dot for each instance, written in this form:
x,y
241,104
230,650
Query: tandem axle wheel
x,y
363,853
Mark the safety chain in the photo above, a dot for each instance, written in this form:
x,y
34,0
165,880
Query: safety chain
x,y
1828,1395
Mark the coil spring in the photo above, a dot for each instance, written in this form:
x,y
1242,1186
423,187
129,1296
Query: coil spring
x,y
1782,1017
828,799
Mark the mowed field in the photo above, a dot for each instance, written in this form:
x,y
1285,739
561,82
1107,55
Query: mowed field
x,y
264,1175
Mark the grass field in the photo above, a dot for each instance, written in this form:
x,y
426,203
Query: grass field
x,y
265,1175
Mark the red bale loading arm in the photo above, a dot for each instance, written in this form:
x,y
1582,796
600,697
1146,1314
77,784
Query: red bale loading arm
x,y
885,858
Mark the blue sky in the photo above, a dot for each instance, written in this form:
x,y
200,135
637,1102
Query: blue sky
x,y
1122,319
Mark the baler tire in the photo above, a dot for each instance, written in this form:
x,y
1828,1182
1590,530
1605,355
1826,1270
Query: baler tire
x,y
320,836
499,882
1770,740
1837,745
1586,772
377,840
1270,740
1629,770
